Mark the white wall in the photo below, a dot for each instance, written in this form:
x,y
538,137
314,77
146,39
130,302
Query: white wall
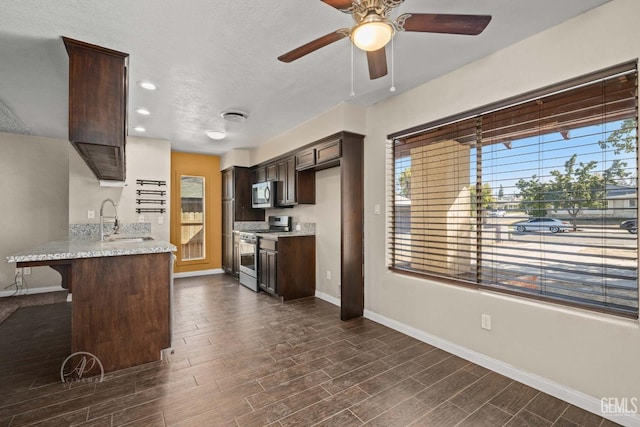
x,y
235,157
326,215
146,158
582,351
342,117
34,189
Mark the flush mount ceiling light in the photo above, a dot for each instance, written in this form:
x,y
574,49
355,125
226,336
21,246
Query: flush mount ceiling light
x,y
234,116
139,129
143,111
147,85
373,33
216,134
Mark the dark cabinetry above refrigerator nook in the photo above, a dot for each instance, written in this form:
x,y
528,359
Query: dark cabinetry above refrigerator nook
x,y
294,174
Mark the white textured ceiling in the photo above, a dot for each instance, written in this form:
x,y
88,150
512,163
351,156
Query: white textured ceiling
x,y
212,55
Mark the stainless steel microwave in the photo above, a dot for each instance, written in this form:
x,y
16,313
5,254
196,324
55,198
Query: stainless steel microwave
x,y
263,194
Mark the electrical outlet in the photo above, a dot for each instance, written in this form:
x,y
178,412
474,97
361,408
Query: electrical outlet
x,y
486,322
19,276
160,220
328,275
91,214
376,209
26,271
140,218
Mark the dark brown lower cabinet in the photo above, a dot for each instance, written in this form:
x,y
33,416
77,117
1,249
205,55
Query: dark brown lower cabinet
x,y
287,266
268,280
236,254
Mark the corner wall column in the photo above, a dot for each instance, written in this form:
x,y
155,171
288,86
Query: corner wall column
x,y
352,228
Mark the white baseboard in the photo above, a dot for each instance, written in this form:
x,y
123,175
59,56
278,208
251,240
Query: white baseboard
x,y
32,291
574,397
328,298
198,273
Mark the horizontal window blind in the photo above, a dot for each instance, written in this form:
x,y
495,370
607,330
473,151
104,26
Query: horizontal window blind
x,y
538,198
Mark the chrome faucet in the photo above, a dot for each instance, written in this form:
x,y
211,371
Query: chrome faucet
x,y
116,227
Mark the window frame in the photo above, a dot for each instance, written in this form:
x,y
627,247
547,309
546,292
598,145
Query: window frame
x,y
478,113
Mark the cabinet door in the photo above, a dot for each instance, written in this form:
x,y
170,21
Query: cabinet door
x,y
227,184
272,280
227,235
291,181
306,159
227,253
236,255
329,151
227,216
260,174
282,183
263,270
272,172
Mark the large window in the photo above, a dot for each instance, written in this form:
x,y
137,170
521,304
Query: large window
x,y
535,196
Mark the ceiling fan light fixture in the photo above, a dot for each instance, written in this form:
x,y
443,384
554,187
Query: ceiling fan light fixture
x,y
372,34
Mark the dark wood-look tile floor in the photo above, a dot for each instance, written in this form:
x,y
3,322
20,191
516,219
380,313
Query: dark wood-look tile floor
x,y
246,359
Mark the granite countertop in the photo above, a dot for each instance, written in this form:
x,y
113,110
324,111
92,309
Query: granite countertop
x,y
73,248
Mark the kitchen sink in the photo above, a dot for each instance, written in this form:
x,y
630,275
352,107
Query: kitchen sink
x,y
128,239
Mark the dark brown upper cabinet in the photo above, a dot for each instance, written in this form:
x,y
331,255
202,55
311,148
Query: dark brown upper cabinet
x,y
321,156
236,206
295,187
98,107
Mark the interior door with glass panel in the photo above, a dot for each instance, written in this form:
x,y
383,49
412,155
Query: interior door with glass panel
x,y
192,218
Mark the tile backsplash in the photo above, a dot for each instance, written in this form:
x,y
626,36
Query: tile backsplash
x,y
307,227
93,230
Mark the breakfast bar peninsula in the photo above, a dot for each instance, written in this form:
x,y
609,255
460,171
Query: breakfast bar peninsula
x,y
122,294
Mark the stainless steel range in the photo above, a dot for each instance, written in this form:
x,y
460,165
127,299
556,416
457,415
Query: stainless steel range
x,y
248,246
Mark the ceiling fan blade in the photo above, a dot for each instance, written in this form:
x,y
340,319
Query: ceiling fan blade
x,y
314,45
377,63
471,25
339,4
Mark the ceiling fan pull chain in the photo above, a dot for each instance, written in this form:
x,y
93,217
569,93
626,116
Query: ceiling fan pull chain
x,y
393,86
353,92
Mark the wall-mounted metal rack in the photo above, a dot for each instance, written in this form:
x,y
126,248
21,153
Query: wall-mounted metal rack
x,y
151,192
150,210
154,196
151,182
150,202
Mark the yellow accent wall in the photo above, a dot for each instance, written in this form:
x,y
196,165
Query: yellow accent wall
x,y
208,167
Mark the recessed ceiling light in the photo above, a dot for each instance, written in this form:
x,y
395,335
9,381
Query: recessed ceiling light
x,y
139,129
143,111
234,116
147,85
216,134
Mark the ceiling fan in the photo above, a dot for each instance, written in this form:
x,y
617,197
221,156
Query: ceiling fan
x,y
373,29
